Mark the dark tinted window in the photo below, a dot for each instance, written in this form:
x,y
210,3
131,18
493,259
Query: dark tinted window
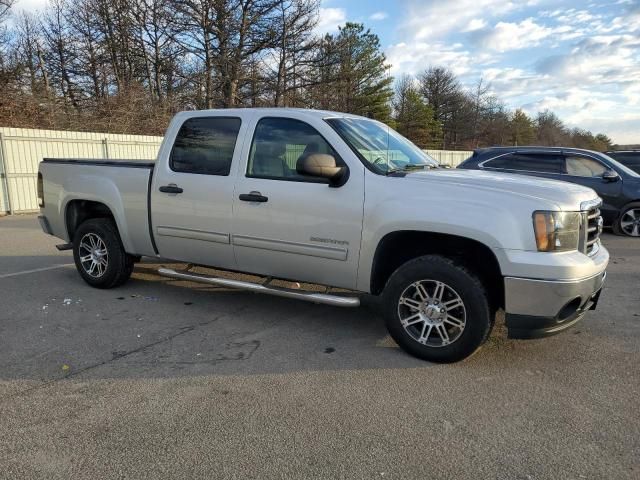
x,y
530,162
277,145
205,145
627,158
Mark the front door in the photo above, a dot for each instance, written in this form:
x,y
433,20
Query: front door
x,y
192,192
292,226
589,172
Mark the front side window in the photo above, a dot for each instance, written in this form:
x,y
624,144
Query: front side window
x,y
584,167
381,149
622,164
537,163
278,144
205,145
631,157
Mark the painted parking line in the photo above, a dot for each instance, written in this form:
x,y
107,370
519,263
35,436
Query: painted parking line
x,y
35,270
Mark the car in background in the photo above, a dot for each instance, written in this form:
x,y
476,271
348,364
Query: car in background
x,y
615,183
629,158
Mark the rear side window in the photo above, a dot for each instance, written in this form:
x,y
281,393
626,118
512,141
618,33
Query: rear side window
x,y
205,145
278,144
528,162
584,167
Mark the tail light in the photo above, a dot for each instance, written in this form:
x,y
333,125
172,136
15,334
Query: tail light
x,y
40,191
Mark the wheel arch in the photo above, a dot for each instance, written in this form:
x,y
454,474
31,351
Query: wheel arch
x,y
78,211
398,247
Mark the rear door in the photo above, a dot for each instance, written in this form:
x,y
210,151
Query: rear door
x,y
541,164
295,227
588,171
192,190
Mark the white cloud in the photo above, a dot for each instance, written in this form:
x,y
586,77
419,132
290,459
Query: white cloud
x,y
378,16
582,62
507,36
594,85
475,24
329,19
598,60
432,20
415,57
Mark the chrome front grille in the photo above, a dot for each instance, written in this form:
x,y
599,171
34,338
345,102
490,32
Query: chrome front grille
x,y
592,228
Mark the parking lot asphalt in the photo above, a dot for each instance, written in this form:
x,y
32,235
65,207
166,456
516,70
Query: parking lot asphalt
x,y
169,379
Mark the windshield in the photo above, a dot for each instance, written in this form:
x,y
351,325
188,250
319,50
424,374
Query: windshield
x,y
381,148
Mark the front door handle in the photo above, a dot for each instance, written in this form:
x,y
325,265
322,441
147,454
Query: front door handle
x,y
170,189
253,197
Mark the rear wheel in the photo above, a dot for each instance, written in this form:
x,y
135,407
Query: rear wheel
x,y
629,221
99,254
436,309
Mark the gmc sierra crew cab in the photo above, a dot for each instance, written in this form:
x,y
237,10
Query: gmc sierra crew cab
x,y
345,202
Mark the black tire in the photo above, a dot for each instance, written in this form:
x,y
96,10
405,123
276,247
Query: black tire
x,y
617,224
119,264
459,282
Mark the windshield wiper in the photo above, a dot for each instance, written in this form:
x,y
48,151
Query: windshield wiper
x,y
410,168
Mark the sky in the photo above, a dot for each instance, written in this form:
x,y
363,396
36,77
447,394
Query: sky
x,y
578,58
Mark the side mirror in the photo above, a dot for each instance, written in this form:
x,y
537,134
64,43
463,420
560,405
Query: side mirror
x,y
610,176
322,165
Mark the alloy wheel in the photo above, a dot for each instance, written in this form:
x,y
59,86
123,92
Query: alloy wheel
x,y
432,313
94,256
630,222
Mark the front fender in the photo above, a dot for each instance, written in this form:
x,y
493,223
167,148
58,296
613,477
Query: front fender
x,y
497,221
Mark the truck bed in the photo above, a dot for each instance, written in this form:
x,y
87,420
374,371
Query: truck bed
x,y
121,185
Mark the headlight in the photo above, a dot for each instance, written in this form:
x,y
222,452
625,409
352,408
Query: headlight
x,y
557,231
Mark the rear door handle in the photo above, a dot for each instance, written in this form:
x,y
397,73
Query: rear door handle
x,y
170,189
253,197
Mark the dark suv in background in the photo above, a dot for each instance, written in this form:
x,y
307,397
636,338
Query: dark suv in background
x,y
629,158
616,184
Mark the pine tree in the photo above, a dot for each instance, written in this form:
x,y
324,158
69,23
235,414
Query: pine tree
x,y
522,130
363,85
413,117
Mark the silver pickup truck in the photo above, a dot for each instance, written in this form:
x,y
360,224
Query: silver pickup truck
x,y
341,201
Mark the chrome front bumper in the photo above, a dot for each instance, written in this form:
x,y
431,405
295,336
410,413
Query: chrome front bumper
x,y
536,308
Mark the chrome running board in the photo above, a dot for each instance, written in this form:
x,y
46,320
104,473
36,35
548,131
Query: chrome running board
x,y
324,298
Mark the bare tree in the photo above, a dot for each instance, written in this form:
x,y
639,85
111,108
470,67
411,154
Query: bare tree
x,y
242,29
478,97
91,54
195,19
31,51
155,33
5,8
294,22
60,49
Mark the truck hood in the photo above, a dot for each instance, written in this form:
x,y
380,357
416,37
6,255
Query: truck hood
x,y
566,195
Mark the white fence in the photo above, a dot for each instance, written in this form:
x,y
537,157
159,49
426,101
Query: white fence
x,y
453,158
21,150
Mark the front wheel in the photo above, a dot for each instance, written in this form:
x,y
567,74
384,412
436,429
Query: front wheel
x,y
436,309
99,255
629,221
